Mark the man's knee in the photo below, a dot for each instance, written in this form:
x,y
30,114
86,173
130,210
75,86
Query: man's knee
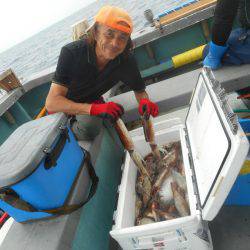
x,y
86,127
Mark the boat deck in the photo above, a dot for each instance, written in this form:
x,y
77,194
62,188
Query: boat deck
x,y
230,229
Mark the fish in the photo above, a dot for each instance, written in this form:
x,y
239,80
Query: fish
x,y
144,221
171,157
161,178
179,201
149,134
138,206
129,145
180,168
144,187
163,151
124,135
150,165
148,128
165,192
139,162
149,214
180,179
172,209
154,212
147,187
169,146
139,185
149,158
163,215
156,151
161,188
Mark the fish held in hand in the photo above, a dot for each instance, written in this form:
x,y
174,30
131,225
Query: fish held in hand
x,y
139,162
124,135
149,134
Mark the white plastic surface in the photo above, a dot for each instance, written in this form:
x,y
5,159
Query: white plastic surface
x,y
217,153
172,234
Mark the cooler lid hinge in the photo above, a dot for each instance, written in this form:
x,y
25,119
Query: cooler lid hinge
x,y
191,163
220,92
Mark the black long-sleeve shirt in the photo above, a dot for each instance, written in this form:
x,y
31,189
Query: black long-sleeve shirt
x,y
225,13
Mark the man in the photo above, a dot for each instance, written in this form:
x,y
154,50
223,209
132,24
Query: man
x,y
233,49
88,68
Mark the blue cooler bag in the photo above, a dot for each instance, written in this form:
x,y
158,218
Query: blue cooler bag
x,y
41,166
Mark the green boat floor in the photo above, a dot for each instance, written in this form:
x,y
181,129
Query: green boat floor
x,y
97,216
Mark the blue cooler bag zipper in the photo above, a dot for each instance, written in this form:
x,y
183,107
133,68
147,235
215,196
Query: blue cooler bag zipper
x,y
41,163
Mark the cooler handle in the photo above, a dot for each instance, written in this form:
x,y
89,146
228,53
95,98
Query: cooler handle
x,y
52,156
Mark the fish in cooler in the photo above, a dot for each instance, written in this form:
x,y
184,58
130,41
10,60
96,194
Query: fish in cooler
x,y
163,197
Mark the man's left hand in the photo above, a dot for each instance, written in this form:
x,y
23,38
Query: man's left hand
x,y
149,107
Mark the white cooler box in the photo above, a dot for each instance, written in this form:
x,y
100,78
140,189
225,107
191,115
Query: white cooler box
x,y
214,148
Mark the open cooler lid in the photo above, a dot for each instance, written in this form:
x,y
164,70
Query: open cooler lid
x,y
22,152
217,143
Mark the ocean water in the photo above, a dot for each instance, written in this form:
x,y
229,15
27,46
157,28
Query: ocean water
x,y
41,51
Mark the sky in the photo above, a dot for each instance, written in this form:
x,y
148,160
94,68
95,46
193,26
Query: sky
x,y
20,19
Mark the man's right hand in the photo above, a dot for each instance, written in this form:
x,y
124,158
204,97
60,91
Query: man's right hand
x,y
110,110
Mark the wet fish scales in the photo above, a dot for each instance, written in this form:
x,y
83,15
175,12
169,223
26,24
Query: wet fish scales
x,y
156,151
165,215
165,191
124,135
148,128
179,201
180,179
139,162
138,206
153,208
162,176
145,221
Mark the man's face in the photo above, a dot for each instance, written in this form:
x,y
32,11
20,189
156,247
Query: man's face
x,y
110,42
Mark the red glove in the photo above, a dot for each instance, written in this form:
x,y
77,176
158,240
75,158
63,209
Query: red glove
x,y
149,107
109,110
